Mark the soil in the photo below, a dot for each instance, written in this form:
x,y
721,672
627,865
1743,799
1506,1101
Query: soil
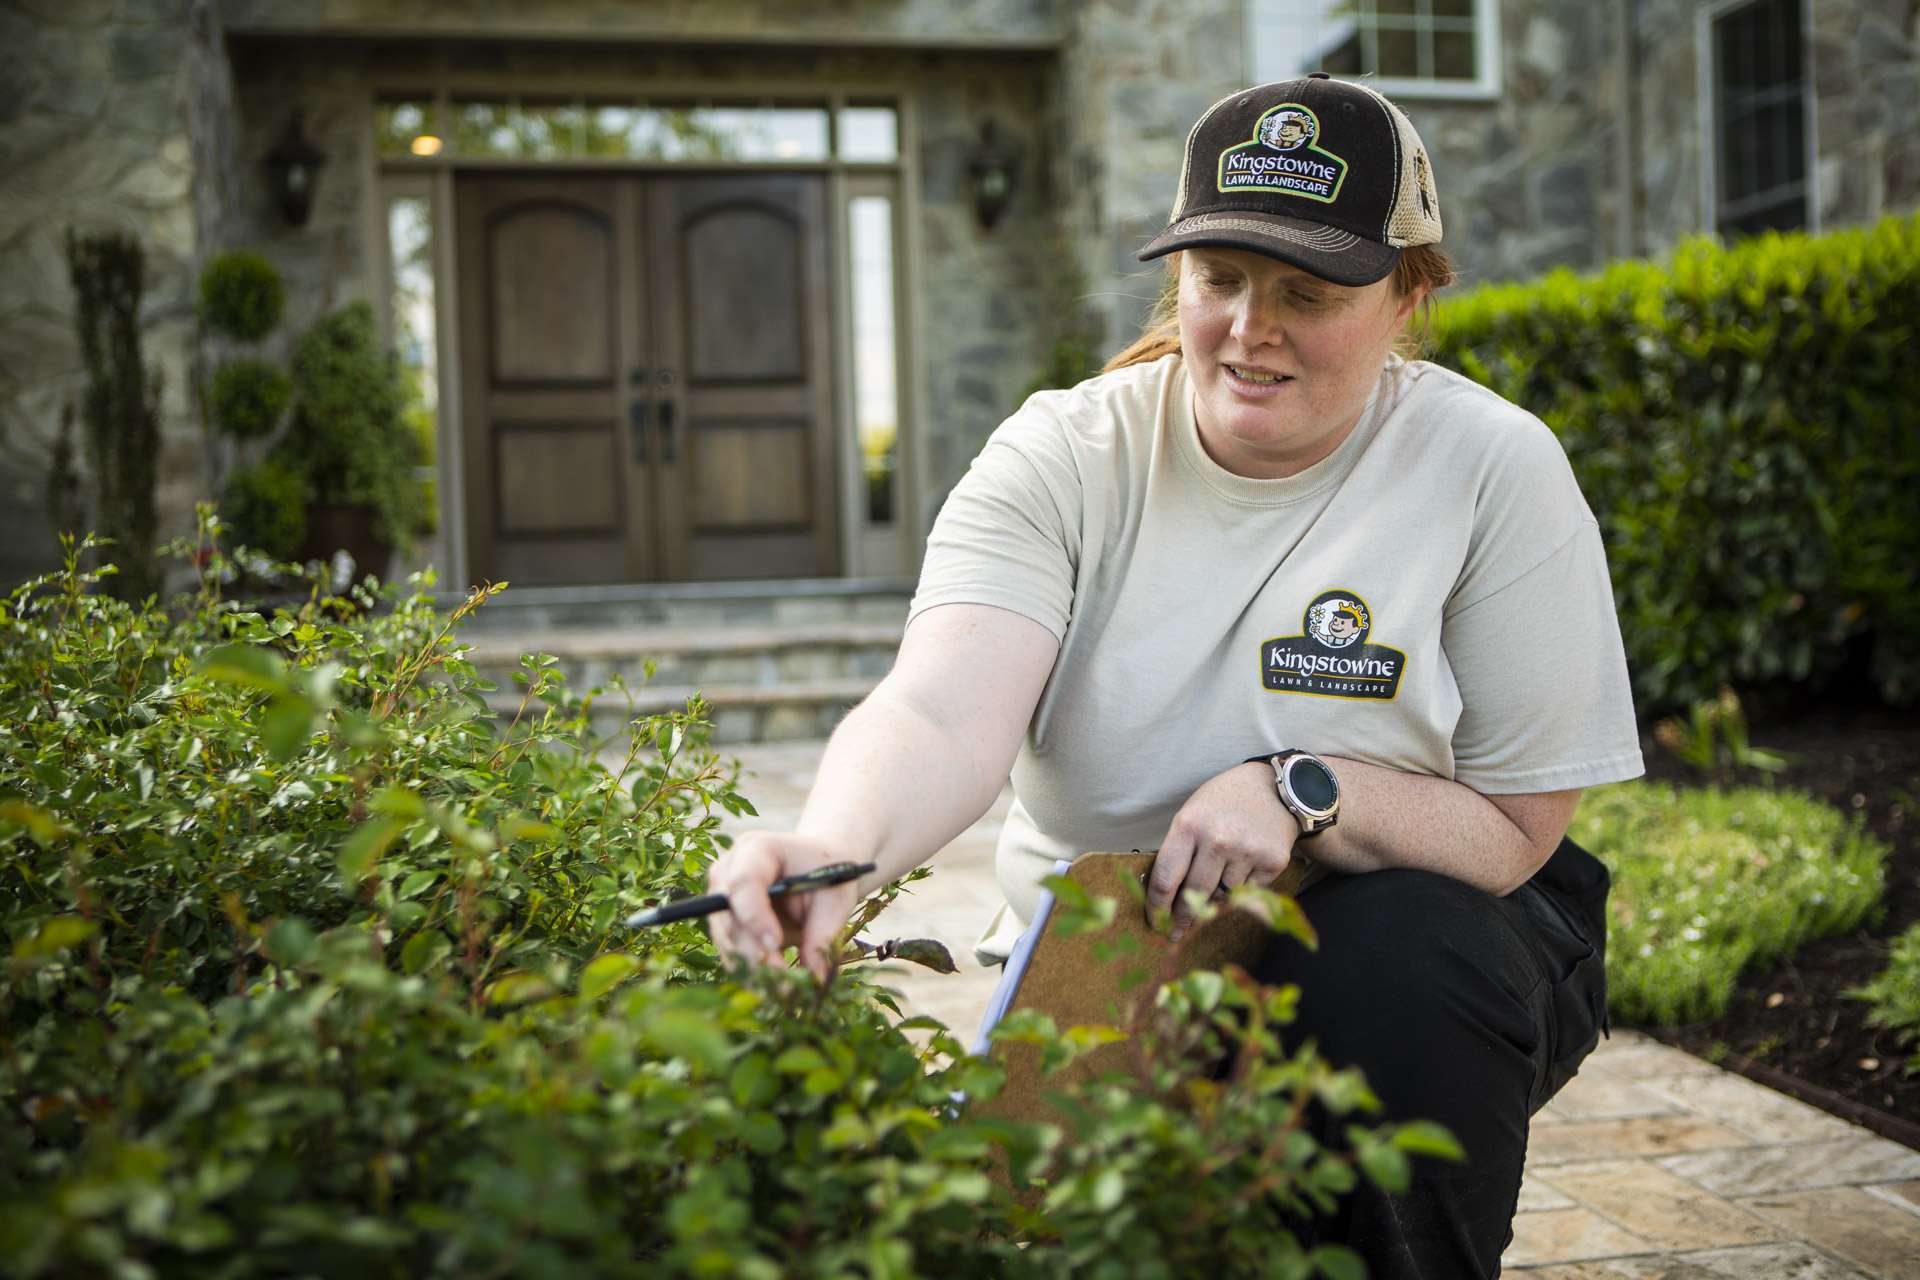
x,y
1790,1027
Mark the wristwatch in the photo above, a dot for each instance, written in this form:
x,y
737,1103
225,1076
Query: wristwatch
x,y
1307,787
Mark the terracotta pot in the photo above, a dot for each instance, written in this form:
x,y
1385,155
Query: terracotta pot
x,y
349,527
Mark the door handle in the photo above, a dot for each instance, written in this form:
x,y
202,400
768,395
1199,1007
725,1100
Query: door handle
x,y
637,421
666,432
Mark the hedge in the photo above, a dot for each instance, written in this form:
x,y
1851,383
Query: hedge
x,y
312,969
1745,423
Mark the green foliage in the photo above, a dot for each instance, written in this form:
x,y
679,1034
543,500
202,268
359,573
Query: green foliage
x,y
268,506
1708,883
120,405
1713,739
1745,423
314,970
247,398
241,296
1895,994
349,434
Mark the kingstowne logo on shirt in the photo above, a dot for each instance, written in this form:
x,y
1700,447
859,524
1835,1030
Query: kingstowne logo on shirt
x,y
1332,659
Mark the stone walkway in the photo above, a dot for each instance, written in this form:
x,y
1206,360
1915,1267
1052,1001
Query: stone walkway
x,y
1651,1165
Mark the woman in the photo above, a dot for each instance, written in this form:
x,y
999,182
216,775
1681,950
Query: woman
x,y
1265,582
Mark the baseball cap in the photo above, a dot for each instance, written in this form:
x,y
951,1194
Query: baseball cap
x,y
1321,173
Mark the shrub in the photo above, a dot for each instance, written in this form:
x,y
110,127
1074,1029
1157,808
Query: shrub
x,y
349,433
247,398
1708,883
120,405
1742,422
241,296
314,971
1894,993
268,505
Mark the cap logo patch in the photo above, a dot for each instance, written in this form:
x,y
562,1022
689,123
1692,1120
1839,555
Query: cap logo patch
x,y
1283,158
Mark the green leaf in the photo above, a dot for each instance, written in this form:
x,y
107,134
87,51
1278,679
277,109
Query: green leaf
x,y
285,727
363,848
424,950
799,1060
247,665
290,941
689,1037
1337,1262
56,935
1425,1138
518,988
416,882
606,973
753,1082
1386,1166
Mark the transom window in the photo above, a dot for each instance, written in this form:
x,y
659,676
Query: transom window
x,y
1760,119
1413,48
530,129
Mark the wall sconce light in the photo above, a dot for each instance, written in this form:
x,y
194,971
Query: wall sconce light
x,y
993,167
293,167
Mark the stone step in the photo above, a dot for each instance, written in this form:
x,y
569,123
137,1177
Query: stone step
x,y
743,713
796,602
697,656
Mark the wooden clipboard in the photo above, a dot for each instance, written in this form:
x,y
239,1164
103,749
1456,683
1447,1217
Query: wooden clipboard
x,y
1079,980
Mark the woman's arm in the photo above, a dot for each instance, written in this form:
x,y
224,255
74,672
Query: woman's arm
x,y
1234,829
909,769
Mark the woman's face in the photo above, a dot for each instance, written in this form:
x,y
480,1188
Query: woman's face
x,y
1282,362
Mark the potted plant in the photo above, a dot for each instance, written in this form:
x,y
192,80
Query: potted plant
x,y
349,438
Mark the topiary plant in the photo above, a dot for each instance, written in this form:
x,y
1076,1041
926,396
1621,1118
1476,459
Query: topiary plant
x,y
349,433
266,506
247,398
241,296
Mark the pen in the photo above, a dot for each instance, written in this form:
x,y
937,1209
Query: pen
x,y
705,904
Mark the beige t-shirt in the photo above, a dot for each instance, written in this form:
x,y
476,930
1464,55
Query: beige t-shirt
x,y
1431,597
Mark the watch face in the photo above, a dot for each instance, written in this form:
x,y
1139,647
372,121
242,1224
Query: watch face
x,y
1312,784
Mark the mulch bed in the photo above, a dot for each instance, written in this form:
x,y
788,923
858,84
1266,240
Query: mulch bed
x,y
1790,1027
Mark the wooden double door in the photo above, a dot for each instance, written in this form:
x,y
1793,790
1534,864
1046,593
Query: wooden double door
x,y
646,377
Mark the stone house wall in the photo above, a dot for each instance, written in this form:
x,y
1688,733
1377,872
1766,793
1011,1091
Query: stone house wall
x,y
156,115
97,99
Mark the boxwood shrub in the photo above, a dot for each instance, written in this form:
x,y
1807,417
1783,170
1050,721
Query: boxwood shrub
x,y
1745,423
313,969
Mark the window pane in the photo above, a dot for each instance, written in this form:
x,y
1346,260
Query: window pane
x,y
1452,55
1401,39
869,133
410,249
875,396
1759,108
405,128
1399,53
745,133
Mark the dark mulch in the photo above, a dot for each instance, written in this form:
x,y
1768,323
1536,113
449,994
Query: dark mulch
x,y
1791,1026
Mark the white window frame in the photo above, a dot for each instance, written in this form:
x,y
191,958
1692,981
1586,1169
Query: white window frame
x,y
1707,104
1486,53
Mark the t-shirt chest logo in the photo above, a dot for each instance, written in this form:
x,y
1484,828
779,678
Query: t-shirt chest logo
x,y
1333,658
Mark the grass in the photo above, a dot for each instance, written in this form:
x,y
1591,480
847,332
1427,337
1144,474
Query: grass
x,y
1895,994
1708,883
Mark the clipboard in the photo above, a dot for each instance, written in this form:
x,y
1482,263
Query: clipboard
x,y
1079,981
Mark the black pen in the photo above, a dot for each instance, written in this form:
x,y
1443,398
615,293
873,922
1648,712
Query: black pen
x,y
705,904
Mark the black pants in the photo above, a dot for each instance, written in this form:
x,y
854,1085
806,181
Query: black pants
x,y
1460,1007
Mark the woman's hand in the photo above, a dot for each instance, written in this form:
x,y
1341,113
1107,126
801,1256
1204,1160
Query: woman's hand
x,y
1232,831
757,927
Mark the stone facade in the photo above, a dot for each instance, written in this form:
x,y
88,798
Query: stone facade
x,y
95,135
156,116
